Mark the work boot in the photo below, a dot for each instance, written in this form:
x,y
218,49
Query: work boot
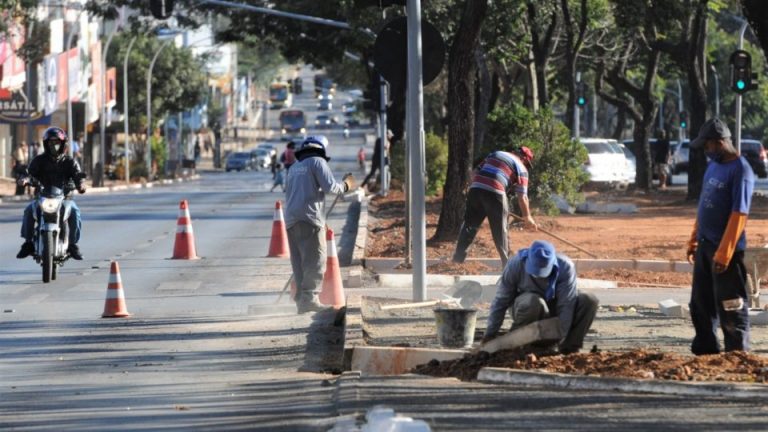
x,y
310,305
74,252
27,249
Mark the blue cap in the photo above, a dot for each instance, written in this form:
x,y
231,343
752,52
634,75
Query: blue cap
x,y
541,259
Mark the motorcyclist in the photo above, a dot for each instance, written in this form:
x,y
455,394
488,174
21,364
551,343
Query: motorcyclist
x,y
54,168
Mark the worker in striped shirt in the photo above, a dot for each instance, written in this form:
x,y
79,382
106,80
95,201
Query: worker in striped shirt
x,y
498,175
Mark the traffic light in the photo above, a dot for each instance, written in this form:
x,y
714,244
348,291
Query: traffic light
x,y
741,72
683,119
161,9
372,97
581,94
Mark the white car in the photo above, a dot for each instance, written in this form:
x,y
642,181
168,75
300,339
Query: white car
x,y
606,163
268,147
631,163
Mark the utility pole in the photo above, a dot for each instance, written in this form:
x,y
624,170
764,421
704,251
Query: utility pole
x,y
127,143
384,170
737,128
577,111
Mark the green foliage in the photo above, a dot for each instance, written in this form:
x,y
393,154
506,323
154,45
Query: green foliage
x,y
159,152
436,160
557,167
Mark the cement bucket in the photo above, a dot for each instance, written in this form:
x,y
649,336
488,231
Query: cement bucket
x,y
455,327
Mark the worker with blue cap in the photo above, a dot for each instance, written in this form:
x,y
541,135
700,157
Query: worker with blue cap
x,y
539,283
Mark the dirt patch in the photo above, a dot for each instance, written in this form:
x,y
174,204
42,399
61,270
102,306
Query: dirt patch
x,y
659,230
452,268
640,363
640,278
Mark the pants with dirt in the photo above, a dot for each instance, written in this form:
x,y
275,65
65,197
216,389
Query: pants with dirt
x,y
530,307
481,204
719,298
307,246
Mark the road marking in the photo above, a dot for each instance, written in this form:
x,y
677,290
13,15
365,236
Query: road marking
x,y
37,298
178,286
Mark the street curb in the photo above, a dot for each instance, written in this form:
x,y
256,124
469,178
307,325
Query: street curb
x,y
494,375
353,328
387,265
358,253
346,394
115,188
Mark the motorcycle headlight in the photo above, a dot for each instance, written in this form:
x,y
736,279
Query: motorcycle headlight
x,y
303,130
49,205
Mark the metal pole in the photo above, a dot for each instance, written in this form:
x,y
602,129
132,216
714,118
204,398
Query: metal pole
x,y
593,111
717,89
680,130
125,111
149,107
737,129
383,171
71,36
576,111
103,116
661,113
416,140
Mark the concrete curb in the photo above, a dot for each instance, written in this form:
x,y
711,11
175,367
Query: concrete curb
x,y
399,280
353,328
387,265
576,382
385,360
358,253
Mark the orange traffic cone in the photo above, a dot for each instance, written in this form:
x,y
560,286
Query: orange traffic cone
x,y
333,291
114,306
278,246
184,246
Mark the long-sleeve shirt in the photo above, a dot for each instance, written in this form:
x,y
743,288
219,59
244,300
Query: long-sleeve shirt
x,y
307,183
560,292
63,173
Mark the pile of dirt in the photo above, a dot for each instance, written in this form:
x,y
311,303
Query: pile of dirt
x,y
640,278
733,366
465,268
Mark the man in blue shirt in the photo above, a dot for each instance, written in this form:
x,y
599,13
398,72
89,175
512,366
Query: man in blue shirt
x,y
717,243
539,283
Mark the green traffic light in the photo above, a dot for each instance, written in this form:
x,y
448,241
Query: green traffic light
x,y
582,101
683,125
740,84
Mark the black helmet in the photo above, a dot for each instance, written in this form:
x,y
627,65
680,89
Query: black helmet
x,y
55,142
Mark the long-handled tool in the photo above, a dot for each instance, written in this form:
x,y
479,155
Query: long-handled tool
x,y
557,237
290,279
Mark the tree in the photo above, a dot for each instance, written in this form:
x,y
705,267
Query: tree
x,y
461,118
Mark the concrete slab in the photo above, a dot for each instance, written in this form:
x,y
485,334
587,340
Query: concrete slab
x,y
671,308
272,309
544,330
387,265
595,284
372,360
406,280
758,317
354,279
579,382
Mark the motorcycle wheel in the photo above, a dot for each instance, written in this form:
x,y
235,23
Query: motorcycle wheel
x,y
47,257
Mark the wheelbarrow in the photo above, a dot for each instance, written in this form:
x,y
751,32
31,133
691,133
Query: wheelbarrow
x,y
756,262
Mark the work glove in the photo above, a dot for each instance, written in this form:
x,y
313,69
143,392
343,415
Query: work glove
x,y
349,182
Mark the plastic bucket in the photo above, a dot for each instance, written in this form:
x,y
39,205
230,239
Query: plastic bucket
x,y
455,327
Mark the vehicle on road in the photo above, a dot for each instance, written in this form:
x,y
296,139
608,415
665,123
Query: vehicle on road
x,y
280,96
270,148
325,105
680,158
51,236
606,163
631,163
293,124
323,121
348,108
239,161
261,158
323,83
754,152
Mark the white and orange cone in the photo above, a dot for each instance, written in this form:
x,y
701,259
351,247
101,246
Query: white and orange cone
x,y
114,306
184,246
333,290
278,245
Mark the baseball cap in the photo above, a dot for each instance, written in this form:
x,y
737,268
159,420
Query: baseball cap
x,y
541,259
713,128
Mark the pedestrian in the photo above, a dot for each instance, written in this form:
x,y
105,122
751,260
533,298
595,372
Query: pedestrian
x,y
288,157
273,163
376,159
498,175
661,159
539,283
306,185
279,175
19,169
361,158
717,243
197,149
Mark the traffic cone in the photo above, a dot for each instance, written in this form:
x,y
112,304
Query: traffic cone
x,y
184,246
114,306
333,291
278,246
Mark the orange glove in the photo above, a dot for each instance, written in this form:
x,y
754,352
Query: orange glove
x,y
693,243
736,223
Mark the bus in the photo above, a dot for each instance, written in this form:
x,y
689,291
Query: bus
x,y
293,124
279,96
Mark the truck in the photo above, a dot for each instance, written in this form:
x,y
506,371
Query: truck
x,y
293,124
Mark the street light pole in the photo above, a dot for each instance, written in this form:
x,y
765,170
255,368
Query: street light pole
x,y
103,116
737,129
149,106
680,130
125,111
717,89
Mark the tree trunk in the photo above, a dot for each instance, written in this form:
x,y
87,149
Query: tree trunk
x,y
541,47
461,118
573,46
483,98
697,81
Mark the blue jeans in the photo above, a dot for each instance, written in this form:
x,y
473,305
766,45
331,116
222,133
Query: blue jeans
x,y
74,222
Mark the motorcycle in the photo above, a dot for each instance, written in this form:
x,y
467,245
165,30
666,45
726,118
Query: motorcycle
x,y
346,132
51,236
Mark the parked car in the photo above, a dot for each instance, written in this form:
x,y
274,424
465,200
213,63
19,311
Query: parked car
x,y
631,163
324,105
239,161
261,158
606,162
680,158
754,152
